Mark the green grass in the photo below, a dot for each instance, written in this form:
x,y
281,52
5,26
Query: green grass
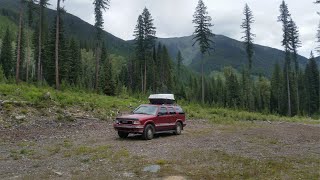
x,y
205,164
106,107
230,116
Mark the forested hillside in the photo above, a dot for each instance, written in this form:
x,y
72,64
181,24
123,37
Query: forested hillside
x,y
47,47
73,27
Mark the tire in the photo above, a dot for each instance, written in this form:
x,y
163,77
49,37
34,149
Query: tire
x,y
148,132
123,135
178,129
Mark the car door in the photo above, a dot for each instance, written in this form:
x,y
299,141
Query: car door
x,y
173,118
163,119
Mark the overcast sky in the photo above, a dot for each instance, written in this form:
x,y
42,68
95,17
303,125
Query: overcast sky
x,y
173,18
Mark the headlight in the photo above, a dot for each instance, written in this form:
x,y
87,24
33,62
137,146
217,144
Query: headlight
x,y
116,122
136,122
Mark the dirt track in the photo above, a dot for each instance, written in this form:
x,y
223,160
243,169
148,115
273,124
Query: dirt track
x,y
92,149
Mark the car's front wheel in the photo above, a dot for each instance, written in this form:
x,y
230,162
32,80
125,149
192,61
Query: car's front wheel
x,y
123,134
148,132
178,129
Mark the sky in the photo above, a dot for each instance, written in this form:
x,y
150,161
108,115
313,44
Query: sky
x,y
173,18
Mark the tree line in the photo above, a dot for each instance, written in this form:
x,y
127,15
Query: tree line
x,y
43,54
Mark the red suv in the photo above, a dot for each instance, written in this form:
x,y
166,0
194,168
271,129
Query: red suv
x,y
152,118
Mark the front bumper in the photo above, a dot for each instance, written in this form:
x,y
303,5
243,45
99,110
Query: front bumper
x,y
129,128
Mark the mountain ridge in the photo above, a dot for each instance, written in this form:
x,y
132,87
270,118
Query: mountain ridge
x,y
228,51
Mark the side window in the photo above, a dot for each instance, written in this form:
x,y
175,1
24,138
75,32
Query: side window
x,y
179,110
171,110
163,111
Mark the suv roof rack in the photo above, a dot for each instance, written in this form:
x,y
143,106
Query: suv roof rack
x,y
161,99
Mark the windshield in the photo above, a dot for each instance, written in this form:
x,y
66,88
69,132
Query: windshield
x,y
150,110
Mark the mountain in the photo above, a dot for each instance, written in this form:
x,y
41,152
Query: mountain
x,y
227,52
74,27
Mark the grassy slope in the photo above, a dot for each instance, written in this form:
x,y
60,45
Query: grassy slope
x,y
109,105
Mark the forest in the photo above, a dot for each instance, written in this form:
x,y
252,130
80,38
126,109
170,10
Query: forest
x,y
37,50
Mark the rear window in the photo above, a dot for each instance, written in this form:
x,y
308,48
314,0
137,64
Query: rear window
x,y
179,110
171,110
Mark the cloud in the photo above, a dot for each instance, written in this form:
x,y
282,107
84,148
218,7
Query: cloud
x,y
174,18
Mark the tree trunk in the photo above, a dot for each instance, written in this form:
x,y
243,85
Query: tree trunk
x,y
19,44
57,45
142,82
39,47
145,76
298,97
28,56
288,90
97,67
202,79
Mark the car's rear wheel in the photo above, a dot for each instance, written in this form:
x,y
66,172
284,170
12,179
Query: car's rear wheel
x,y
178,129
148,132
123,134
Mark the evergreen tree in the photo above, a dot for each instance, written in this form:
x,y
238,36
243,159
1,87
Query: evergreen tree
x,y
179,62
284,19
42,5
248,35
30,11
49,54
139,48
6,57
18,62
144,45
312,86
232,88
149,41
203,35
59,10
263,86
21,54
2,76
75,70
276,89
295,43
99,5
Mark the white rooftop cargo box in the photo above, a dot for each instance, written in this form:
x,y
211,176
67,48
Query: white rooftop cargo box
x,y
161,99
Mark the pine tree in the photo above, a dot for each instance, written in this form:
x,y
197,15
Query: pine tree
x,y
276,89
75,70
42,5
18,62
30,11
312,80
99,5
284,19
6,58
59,10
148,43
144,45
248,35
203,35
179,62
232,88
294,44
49,54
139,49
21,51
